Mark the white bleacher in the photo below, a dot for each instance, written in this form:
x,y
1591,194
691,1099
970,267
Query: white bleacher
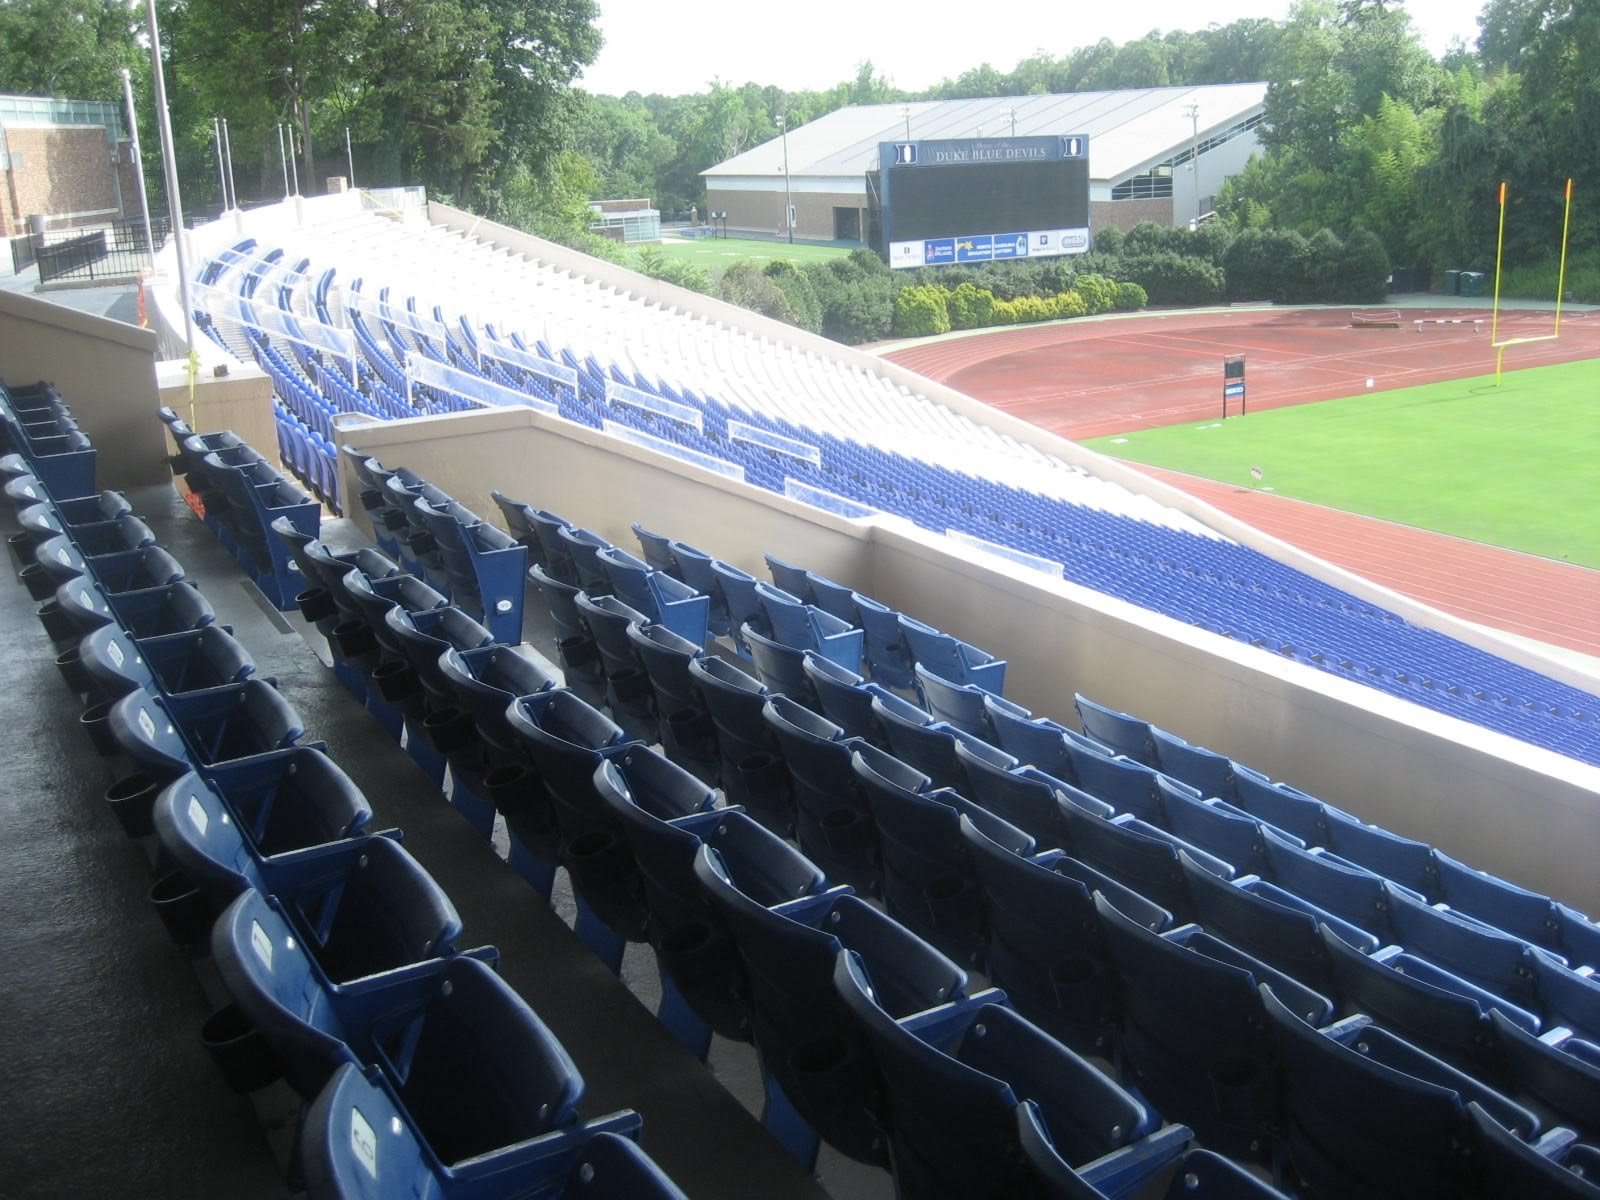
x,y
468,277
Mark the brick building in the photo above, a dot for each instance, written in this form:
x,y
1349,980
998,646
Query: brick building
x,y
1155,154
67,160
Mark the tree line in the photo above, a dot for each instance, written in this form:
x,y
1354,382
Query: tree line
x,y
475,99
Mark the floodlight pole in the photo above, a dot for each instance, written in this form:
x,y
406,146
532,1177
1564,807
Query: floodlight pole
x,y
138,164
174,199
349,158
222,175
1012,113
294,169
905,111
227,153
283,162
1192,111
788,203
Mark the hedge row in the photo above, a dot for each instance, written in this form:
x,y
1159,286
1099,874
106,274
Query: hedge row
x,y
858,299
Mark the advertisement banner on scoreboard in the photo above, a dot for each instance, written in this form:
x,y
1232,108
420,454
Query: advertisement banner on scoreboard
x,y
988,247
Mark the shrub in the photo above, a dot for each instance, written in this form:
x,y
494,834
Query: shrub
x,y
1267,264
1172,279
797,289
1070,303
1323,267
1364,269
1109,241
654,263
971,307
1130,297
1098,292
855,306
746,285
920,311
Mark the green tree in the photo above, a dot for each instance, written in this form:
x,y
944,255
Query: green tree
x,y
69,48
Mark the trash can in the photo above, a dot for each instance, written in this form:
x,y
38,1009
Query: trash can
x,y
1452,283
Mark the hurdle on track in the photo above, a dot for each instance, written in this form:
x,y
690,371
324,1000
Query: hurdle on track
x,y
1475,322
1386,319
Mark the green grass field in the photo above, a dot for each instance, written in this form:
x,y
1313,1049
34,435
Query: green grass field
x,y
1515,466
715,253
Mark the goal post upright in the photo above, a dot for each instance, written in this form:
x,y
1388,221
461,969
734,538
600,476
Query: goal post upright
x,y
1561,274
1499,251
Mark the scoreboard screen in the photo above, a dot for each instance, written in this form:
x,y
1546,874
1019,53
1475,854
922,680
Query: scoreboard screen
x,y
978,200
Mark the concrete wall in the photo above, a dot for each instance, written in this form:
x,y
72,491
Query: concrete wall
x,y
1529,815
104,369
762,212
240,401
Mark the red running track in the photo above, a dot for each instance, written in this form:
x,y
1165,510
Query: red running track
x,y
1088,379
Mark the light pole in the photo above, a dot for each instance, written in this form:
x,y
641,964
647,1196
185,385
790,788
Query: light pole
x,y
1192,111
174,199
349,158
222,170
1012,113
138,164
227,153
905,111
788,202
294,154
283,162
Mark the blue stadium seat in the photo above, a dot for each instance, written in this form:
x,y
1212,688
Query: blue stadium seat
x,y
1044,942
1123,734
1200,1174
665,814
832,822
687,733
1369,1114
427,1027
951,658
845,698
752,774
1552,1070
808,1042
628,693
694,567
929,881
954,1076
167,735
168,664
1024,796
657,551
1511,1166
174,608
583,548
575,644
884,643
1193,1032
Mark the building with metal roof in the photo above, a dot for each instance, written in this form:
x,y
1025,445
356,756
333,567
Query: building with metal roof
x,y
1155,154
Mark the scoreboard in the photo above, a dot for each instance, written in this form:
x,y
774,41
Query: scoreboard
x,y
983,199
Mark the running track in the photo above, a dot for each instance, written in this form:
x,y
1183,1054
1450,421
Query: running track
x,y
1086,379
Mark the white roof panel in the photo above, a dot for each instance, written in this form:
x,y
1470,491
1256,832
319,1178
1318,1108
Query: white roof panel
x,y
1127,130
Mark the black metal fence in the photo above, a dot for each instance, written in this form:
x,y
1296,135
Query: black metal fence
x,y
113,251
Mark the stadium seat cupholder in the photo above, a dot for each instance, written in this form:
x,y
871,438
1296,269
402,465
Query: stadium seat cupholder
x,y
185,910
692,730
371,499
96,722
821,1055
58,626
605,875
393,519
243,1056
21,546
40,583
353,638
578,652
133,799
766,779
508,787
315,604
395,681
1243,1091
631,687
73,672
450,729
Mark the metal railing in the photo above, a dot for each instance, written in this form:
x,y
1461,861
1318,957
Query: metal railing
x,y
114,251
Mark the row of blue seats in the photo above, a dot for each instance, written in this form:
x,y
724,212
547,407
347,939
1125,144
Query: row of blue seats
x,y
239,495
883,766
626,823
1302,623
337,947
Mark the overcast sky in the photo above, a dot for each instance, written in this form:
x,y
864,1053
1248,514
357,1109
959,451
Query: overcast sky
x,y
801,45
